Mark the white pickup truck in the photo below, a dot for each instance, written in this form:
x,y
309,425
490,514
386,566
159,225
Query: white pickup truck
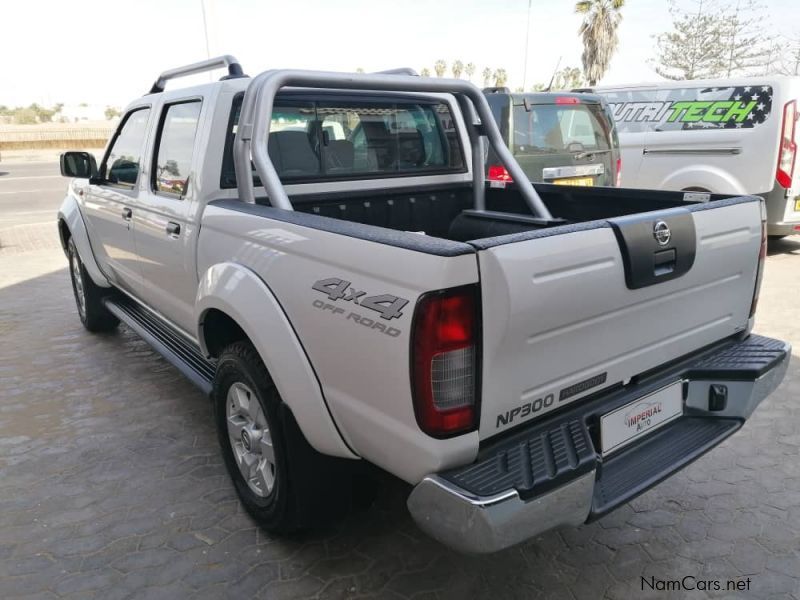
x,y
320,254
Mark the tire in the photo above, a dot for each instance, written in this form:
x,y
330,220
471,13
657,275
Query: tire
x,y
282,482
88,295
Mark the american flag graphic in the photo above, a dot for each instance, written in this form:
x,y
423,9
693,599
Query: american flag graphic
x,y
760,94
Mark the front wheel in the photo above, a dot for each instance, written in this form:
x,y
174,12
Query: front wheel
x,y
280,479
88,295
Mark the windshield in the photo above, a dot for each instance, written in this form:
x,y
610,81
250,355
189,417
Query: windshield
x,y
560,129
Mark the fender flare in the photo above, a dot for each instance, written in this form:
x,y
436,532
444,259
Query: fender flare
x,y
70,215
242,295
717,181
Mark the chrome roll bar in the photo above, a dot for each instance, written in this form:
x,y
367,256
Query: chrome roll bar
x,y
256,112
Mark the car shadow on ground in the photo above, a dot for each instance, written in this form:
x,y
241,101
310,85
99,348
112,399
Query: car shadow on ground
x,y
788,245
110,476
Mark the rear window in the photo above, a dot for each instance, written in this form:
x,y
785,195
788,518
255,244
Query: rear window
x,y
560,128
333,139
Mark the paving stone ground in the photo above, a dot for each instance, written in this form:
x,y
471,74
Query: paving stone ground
x,y
111,486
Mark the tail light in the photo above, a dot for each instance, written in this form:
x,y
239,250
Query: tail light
x,y
499,173
788,149
618,176
444,359
762,257
567,100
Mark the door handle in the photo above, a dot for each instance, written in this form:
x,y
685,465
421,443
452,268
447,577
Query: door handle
x,y
127,213
173,228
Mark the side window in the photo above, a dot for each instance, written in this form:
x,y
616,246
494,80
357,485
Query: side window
x,y
173,159
122,164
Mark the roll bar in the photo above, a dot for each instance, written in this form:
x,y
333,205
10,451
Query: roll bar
x,y
227,61
256,112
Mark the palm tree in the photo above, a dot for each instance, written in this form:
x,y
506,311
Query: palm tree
x,y
487,76
440,67
500,77
457,69
469,70
426,72
601,19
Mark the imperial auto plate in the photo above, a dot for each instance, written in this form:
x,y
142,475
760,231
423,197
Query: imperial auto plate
x,y
582,181
640,417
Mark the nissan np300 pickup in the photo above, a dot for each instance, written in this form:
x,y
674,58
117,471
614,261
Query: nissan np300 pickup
x,y
320,254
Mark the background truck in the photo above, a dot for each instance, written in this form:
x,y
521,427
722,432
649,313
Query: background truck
x,y
320,254
728,136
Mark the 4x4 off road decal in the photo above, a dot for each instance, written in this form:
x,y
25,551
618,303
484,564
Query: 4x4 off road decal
x,y
740,107
387,306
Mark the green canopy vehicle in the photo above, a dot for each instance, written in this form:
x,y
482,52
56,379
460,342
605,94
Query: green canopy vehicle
x,y
557,137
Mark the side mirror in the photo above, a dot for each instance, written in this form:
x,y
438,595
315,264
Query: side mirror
x,y
78,164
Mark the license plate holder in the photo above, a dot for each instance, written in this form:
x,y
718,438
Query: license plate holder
x,y
579,181
644,415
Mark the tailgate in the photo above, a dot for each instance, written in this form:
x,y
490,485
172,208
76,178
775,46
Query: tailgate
x,y
572,310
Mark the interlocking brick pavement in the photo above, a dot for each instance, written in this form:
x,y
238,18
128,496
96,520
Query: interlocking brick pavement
x,y
111,486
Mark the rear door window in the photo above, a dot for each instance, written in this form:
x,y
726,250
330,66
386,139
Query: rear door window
x,y
560,129
173,160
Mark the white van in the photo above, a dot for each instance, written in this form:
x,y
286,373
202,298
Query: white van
x,y
728,136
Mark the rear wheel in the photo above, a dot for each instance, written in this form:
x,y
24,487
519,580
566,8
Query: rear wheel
x,y
281,480
88,296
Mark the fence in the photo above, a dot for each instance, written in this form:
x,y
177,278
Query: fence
x,y
55,135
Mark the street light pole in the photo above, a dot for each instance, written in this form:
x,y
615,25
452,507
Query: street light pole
x,y
527,39
205,27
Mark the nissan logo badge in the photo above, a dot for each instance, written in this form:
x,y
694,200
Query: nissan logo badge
x,y
662,233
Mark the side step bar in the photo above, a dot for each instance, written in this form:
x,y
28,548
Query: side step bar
x,y
183,354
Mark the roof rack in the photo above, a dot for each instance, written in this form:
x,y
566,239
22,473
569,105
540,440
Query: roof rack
x,y
228,61
398,71
250,141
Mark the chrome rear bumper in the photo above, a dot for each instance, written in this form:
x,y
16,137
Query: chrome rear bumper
x,y
474,523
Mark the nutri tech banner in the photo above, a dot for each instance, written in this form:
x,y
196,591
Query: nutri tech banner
x,y
741,107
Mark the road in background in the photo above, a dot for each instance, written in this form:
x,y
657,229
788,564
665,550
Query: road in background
x,y
30,193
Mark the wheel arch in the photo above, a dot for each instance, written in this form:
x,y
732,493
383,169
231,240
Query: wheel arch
x,y
71,225
233,301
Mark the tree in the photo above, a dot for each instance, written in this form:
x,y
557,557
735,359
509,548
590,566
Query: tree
x,y
693,49
500,77
487,76
25,116
469,70
111,112
359,69
568,78
426,72
599,32
440,67
457,68
748,49
788,61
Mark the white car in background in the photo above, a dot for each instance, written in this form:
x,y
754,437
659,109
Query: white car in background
x,y
727,136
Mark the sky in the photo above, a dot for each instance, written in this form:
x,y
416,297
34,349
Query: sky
x,y
106,52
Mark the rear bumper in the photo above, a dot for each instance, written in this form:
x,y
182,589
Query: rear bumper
x,y
781,217
552,473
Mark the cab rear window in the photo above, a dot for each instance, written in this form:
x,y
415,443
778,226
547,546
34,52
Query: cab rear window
x,y
560,128
331,139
